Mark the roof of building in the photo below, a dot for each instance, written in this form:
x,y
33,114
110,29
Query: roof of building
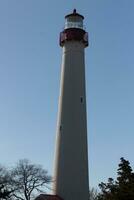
x,y
74,14
48,197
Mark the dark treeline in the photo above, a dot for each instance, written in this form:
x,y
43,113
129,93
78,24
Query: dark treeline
x,y
27,180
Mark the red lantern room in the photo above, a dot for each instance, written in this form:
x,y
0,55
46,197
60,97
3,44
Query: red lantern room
x,y
74,29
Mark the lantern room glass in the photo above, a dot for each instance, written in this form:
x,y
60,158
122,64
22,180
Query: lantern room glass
x,y
74,22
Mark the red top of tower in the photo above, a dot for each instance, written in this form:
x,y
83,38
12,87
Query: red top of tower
x,y
74,14
74,29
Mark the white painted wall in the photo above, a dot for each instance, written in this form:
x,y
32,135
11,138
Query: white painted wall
x,y
71,159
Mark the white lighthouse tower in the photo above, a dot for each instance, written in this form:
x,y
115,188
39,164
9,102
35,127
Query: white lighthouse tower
x,y
71,157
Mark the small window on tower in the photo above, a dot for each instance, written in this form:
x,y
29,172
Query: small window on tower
x,y
81,99
60,128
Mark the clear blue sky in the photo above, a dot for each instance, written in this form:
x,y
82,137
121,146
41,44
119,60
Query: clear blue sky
x,y
30,59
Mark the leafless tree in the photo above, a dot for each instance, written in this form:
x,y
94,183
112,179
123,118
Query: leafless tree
x,y
28,179
5,184
93,193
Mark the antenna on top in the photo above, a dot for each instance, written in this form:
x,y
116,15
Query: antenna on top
x,y
74,11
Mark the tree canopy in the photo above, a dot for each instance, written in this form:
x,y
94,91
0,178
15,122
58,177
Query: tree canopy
x,y
23,181
93,193
122,188
5,183
28,178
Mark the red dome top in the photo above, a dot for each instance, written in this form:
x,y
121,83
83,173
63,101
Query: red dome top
x,y
74,14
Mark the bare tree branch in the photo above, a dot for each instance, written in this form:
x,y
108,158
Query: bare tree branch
x,y
28,179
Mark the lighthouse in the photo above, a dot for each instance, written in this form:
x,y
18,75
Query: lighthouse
x,y
71,154
70,180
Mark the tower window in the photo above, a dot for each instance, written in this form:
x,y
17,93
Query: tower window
x,y
60,127
81,99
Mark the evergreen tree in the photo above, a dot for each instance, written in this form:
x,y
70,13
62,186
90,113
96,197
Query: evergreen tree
x,y
125,181
122,188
